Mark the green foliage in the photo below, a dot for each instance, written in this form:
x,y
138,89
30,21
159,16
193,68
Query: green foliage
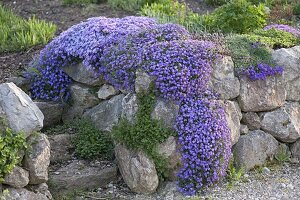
x,y
246,52
216,2
170,11
238,16
146,133
234,174
11,143
274,38
89,142
129,5
19,34
283,154
296,9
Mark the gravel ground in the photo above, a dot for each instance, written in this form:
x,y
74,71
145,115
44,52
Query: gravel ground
x,y
273,183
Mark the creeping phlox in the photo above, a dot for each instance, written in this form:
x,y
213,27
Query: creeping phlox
x,y
115,48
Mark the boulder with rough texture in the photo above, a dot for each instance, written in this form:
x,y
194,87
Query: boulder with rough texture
x,y
20,82
254,149
24,194
52,112
244,129
79,175
283,123
106,114
106,91
81,74
169,149
72,112
137,170
223,80
41,189
295,149
289,60
19,110
82,96
142,81
261,95
17,178
233,116
129,107
252,120
165,111
37,159
60,147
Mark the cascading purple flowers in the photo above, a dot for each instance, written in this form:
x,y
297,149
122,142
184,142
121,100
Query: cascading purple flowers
x,y
284,27
205,143
261,71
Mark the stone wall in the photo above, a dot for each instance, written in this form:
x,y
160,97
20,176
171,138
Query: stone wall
x,y
261,115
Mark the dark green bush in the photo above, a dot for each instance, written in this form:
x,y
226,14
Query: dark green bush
x,y
296,9
238,16
129,5
89,142
146,133
11,143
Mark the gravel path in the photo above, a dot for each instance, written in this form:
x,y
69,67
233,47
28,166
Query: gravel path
x,y
273,183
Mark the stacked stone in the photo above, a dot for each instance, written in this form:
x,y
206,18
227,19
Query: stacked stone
x,y
28,180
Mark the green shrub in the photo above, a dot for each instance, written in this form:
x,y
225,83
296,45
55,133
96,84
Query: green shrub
x,y
283,154
11,143
146,133
89,142
19,34
246,52
238,16
129,5
170,11
274,38
296,9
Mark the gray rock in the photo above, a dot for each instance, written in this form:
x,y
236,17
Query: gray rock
x,y
20,111
82,96
80,176
24,194
60,147
142,81
137,170
252,120
289,59
72,112
21,82
283,123
244,129
106,114
254,149
129,107
37,159
165,111
295,149
233,116
223,80
261,95
52,112
106,91
169,149
17,178
81,74
41,189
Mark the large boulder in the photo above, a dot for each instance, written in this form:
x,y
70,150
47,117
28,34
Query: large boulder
x,y
52,112
289,59
137,170
254,149
37,159
170,150
106,91
81,74
129,107
106,114
17,178
78,175
283,123
61,145
19,110
252,120
24,194
295,149
82,96
233,116
142,81
261,95
165,111
223,80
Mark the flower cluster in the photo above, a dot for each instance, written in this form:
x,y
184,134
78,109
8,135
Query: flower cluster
x,y
261,71
284,27
204,138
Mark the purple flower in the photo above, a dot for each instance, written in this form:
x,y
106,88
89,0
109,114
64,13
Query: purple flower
x,y
261,71
284,27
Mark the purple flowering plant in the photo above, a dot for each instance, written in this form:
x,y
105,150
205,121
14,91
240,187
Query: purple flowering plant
x,y
261,71
284,27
